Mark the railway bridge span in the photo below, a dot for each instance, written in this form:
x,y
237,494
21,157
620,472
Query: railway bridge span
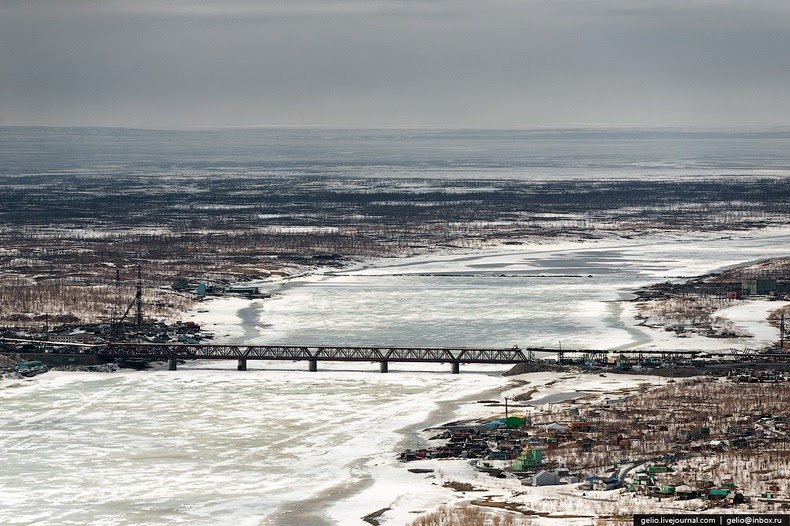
x,y
383,355
314,354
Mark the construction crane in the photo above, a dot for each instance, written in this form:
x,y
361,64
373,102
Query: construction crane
x,y
137,301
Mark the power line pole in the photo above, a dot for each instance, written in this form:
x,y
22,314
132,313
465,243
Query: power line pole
x,y
559,354
139,298
115,322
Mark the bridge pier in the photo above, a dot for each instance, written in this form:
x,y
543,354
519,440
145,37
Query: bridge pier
x,y
171,364
242,364
313,366
456,368
384,366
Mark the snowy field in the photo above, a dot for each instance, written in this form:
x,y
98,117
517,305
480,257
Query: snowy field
x,y
277,445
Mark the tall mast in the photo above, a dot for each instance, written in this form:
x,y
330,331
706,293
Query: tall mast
x,y
139,298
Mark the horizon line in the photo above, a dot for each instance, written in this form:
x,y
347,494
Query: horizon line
x,y
567,127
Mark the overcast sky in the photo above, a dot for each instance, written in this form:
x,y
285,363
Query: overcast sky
x,y
399,63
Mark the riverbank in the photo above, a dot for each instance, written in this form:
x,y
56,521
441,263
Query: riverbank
x,y
404,495
749,317
659,413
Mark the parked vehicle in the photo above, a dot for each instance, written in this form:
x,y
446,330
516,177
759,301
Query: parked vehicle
x,y
31,368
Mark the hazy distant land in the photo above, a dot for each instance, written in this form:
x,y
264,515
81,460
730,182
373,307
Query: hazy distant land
x,y
87,202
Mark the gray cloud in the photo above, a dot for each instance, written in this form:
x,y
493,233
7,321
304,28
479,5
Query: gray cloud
x,y
394,63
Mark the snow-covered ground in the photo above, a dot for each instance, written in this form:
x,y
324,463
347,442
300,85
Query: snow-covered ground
x,y
748,317
220,316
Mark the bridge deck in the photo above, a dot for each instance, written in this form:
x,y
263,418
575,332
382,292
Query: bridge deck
x,y
316,353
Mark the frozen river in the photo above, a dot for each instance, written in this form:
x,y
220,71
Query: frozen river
x,y
276,445
207,445
564,294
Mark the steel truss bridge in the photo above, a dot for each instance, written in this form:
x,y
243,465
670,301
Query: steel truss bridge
x,y
314,354
455,356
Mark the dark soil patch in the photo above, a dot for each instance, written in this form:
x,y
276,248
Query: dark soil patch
x,y
461,486
372,518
